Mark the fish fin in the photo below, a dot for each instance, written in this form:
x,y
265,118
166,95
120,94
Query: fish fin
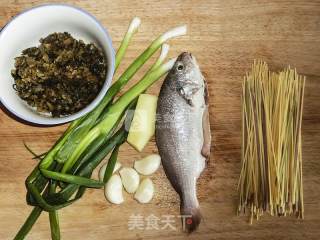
x,y
191,218
187,90
206,147
206,93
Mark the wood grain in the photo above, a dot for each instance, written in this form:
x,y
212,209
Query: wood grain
x,y
225,36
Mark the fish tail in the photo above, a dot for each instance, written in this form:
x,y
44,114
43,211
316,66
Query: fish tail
x,y
191,216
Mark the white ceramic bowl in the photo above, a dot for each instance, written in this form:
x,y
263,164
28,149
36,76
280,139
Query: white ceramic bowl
x,y
26,29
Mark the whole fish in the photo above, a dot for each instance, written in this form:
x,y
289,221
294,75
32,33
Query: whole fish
x,y
183,133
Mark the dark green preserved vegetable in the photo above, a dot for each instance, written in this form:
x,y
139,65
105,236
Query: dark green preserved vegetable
x,y
61,76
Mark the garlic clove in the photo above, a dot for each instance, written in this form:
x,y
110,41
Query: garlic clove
x,y
148,165
117,167
145,191
103,170
130,179
113,190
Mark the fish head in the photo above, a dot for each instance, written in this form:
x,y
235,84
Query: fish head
x,y
187,75
186,69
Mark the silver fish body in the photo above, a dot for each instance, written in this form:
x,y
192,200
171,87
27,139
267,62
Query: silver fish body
x,y
180,134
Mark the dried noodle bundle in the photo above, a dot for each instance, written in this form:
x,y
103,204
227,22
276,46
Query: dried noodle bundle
x,y
271,174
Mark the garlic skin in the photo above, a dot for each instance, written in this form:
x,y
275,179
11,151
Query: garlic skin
x,y
145,191
130,179
148,165
103,170
113,190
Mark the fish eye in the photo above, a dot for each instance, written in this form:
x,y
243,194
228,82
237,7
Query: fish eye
x,y
180,67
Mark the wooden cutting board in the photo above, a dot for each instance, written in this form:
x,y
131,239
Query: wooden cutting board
x,y
225,36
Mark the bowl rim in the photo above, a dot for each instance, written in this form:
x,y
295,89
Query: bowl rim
x,y
47,121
